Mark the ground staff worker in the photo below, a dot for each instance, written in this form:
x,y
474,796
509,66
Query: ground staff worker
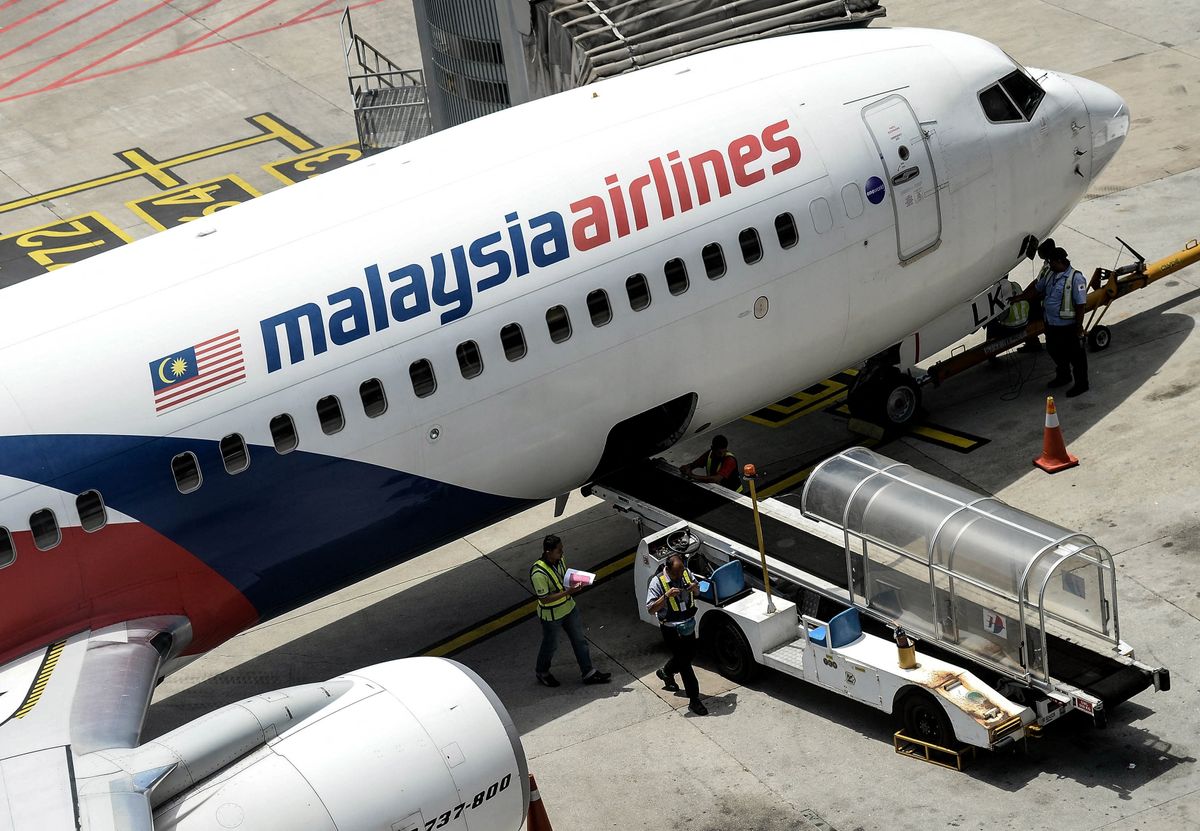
x,y
557,610
1063,290
672,596
719,465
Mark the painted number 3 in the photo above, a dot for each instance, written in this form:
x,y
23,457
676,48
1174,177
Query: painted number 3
x,y
480,798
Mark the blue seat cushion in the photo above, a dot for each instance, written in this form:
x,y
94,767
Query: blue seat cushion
x,y
728,580
817,635
706,591
844,628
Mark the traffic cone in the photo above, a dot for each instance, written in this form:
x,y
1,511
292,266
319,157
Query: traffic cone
x,y
1054,452
536,820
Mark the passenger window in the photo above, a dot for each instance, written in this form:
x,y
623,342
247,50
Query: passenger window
x,y
785,229
44,526
559,324
1024,91
512,338
283,434
470,362
234,453
186,471
598,307
822,217
374,399
639,292
329,411
424,383
8,554
677,278
714,261
852,200
751,246
92,516
997,106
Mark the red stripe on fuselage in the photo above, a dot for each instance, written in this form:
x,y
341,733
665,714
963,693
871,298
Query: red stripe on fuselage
x,y
122,572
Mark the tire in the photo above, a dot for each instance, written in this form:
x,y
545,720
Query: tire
x,y
1099,338
730,650
892,401
922,717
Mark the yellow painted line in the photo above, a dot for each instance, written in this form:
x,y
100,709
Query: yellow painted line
x,y
945,437
513,615
150,168
43,678
309,161
799,476
275,131
201,193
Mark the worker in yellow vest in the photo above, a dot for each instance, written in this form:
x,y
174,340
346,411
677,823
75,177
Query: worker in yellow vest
x,y
557,610
672,597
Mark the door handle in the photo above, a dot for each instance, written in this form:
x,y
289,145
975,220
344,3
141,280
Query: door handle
x,y
904,175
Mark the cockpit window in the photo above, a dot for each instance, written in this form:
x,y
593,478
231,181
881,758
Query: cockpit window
x,y
997,106
1015,97
1024,91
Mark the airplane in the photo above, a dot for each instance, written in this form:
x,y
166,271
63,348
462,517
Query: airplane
x,y
214,425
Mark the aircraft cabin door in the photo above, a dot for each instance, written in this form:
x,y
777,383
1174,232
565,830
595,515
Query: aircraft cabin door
x,y
908,174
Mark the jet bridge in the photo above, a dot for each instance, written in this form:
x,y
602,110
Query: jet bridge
x,y
965,570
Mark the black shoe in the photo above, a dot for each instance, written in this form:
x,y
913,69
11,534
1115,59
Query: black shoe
x,y
1059,381
547,680
1078,389
697,707
598,677
668,680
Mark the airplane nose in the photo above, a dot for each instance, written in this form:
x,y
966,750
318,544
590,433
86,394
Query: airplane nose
x,y
1109,116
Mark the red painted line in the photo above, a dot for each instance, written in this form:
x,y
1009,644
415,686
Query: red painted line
x,y
27,17
223,26
182,17
8,3
200,392
150,61
300,18
214,340
45,35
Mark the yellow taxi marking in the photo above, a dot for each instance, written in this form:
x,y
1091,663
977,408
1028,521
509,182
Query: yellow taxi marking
x,y
37,250
940,436
819,396
43,678
191,202
508,618
272,130
314,162
789,482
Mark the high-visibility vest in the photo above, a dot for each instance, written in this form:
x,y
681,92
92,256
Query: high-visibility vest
x,y
1067,307
682,607
712,465
555,609
1017,315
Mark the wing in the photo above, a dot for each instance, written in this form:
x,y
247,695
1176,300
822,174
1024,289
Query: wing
x,y
62,704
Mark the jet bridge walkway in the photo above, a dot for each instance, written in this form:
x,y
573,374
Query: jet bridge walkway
x,y
1088,664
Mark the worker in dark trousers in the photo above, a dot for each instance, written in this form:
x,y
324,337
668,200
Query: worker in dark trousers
x,y
1044,250
672,597
1064,297
557,610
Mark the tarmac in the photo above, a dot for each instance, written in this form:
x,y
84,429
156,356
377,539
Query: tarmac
x,y
774,754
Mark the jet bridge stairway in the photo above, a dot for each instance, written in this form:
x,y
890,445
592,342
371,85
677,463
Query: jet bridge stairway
x,y
792,540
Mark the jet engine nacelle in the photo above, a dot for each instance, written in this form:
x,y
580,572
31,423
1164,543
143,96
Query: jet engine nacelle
x,y
410,745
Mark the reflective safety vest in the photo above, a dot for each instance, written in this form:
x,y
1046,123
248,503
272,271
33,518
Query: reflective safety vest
x,y
1016,316
555,609
678,608
712,465
1067,307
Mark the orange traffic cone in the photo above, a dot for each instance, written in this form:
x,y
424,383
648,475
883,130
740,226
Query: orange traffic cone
x,y
1054,452
537,819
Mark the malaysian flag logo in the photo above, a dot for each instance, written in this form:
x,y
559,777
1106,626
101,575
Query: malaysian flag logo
x,y
198,371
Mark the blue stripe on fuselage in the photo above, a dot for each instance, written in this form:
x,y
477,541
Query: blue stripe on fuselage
x,y
289,529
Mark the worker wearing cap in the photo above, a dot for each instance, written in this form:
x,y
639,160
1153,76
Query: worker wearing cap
x,y
1064,298
719,465
672,597
557,610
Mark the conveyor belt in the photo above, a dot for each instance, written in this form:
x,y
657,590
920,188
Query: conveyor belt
x,y
1100,675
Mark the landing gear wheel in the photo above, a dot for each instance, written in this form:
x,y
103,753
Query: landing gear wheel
x,y
923,718
892,400
730,650
1099,338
